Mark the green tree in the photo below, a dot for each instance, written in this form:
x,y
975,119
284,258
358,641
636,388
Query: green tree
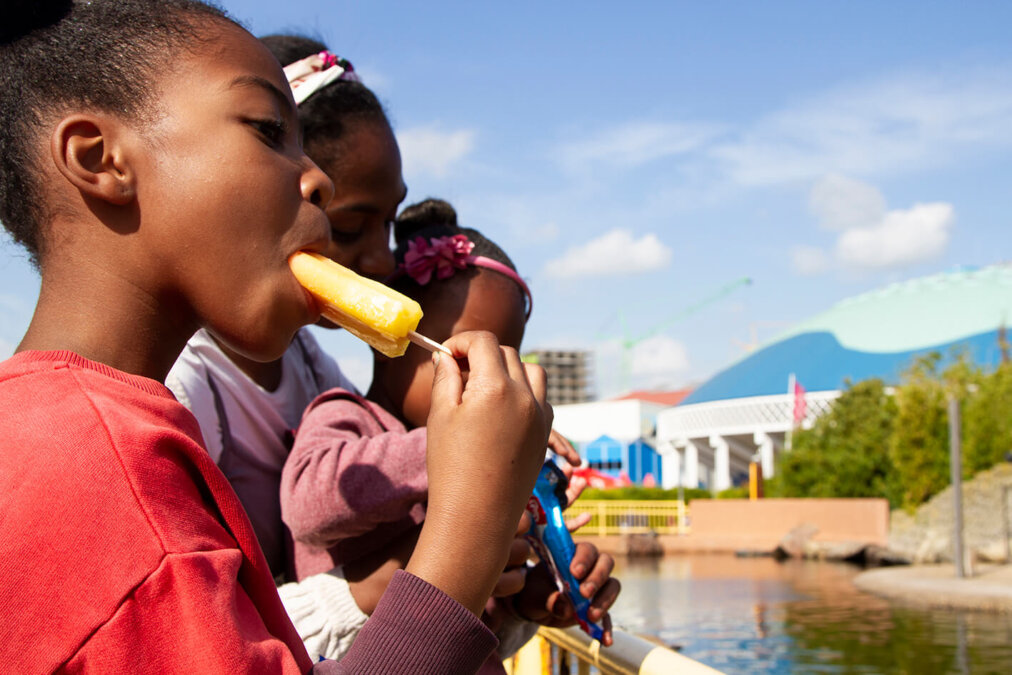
x,y
846,452
919,447
987,421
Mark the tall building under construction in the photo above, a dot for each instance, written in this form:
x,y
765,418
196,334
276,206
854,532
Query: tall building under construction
x,y
570,377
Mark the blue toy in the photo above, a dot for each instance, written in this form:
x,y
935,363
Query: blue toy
x,y
550,538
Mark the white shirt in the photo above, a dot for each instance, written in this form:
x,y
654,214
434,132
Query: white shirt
x,y
259,422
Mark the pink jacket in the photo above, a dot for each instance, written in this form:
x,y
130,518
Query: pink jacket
x,y
354,481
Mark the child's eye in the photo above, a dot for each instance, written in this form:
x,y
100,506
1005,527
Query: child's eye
x,y
273,131
345,236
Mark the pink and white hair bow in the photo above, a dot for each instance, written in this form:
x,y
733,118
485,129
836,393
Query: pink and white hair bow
x,y
309,75
441,257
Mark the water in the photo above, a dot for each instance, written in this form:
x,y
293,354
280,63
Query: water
x,y
755,615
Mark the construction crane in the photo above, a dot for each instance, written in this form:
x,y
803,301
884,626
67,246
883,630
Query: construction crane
x,y
628,343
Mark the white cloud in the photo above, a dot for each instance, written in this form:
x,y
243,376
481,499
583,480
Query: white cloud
x,y
614,253
873,128
428,150
809,260
658,358
636,143
841,203
654,363
902,237
902,122
871,237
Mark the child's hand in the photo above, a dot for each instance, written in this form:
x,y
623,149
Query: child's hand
x,y
486,443
513,578
561,446
542,602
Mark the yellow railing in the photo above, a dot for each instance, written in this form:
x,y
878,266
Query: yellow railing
x,y
554,650
631,517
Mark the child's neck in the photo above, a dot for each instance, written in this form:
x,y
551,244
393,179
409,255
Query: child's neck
x,y
106,319
267,375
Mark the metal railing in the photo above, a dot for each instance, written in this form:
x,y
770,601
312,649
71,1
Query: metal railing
x,y
736,416
555,650
611,517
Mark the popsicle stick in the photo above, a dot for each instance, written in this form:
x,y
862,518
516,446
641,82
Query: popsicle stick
x,y
426,343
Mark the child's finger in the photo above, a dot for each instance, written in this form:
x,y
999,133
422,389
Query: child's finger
x,y
607,639
575,488
524,525
539,387
576,522
561,446
510,582
561,607
481,349
599,571
447,385
604,599
520,551
514,366
584,558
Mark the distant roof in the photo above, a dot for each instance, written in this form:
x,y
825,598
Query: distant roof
x,y
667,398
877,334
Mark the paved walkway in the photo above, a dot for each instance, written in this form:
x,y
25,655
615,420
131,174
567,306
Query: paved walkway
x,y
990,588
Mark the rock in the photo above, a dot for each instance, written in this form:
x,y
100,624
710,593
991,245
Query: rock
x,y
926,535
880,556
793,543
643,545
994,552
845,551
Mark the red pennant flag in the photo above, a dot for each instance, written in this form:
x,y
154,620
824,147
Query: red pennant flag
x,y
800,405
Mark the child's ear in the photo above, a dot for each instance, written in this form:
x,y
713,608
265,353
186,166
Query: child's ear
x,y
90,151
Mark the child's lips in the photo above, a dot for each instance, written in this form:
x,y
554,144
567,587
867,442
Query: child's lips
x,y
311,304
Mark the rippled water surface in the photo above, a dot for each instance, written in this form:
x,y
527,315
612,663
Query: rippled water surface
x,y
755,615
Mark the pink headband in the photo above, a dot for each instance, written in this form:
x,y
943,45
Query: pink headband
x,y
307,76
443,256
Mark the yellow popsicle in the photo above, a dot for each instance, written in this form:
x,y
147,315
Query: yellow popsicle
x,y
382,317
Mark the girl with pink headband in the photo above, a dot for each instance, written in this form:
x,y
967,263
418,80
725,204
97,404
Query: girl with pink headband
x,y
354,489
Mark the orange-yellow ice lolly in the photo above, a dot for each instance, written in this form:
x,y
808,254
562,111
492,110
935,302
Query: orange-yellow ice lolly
x,y
382,317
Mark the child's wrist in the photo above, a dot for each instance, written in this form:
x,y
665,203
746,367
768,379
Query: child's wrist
x,y
464,565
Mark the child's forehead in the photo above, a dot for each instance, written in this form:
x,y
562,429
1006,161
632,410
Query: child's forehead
x,y
231,54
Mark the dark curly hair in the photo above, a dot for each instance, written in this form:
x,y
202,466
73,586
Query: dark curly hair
x,y
96,54
437,218
324,116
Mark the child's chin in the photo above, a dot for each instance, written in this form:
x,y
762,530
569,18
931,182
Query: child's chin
x,y
262,349
324,322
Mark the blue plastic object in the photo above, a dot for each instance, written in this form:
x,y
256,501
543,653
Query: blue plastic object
x,y
550,538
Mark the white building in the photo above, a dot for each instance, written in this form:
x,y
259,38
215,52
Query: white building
x,y
747,411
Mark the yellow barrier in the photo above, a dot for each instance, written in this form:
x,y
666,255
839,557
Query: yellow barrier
x,y
632,517
552,650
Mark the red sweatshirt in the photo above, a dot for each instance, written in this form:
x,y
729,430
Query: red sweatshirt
x,y
123,548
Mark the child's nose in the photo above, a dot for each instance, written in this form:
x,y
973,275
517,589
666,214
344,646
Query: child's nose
x,y
317,188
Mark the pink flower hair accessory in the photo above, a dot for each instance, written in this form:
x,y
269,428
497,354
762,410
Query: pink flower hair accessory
x,y
443,256
307,76
439,255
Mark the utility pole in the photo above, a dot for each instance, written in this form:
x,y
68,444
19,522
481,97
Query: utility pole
x,y
956,472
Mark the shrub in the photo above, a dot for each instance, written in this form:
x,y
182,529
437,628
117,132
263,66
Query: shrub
x,y
636,492
846,452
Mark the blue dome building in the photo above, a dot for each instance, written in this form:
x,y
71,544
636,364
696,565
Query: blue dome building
x,y
749,409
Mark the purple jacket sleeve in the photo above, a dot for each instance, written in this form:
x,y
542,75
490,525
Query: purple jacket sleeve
x,y
416,628
351,470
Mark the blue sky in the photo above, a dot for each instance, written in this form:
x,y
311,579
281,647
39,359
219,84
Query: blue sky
x,y
633,159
